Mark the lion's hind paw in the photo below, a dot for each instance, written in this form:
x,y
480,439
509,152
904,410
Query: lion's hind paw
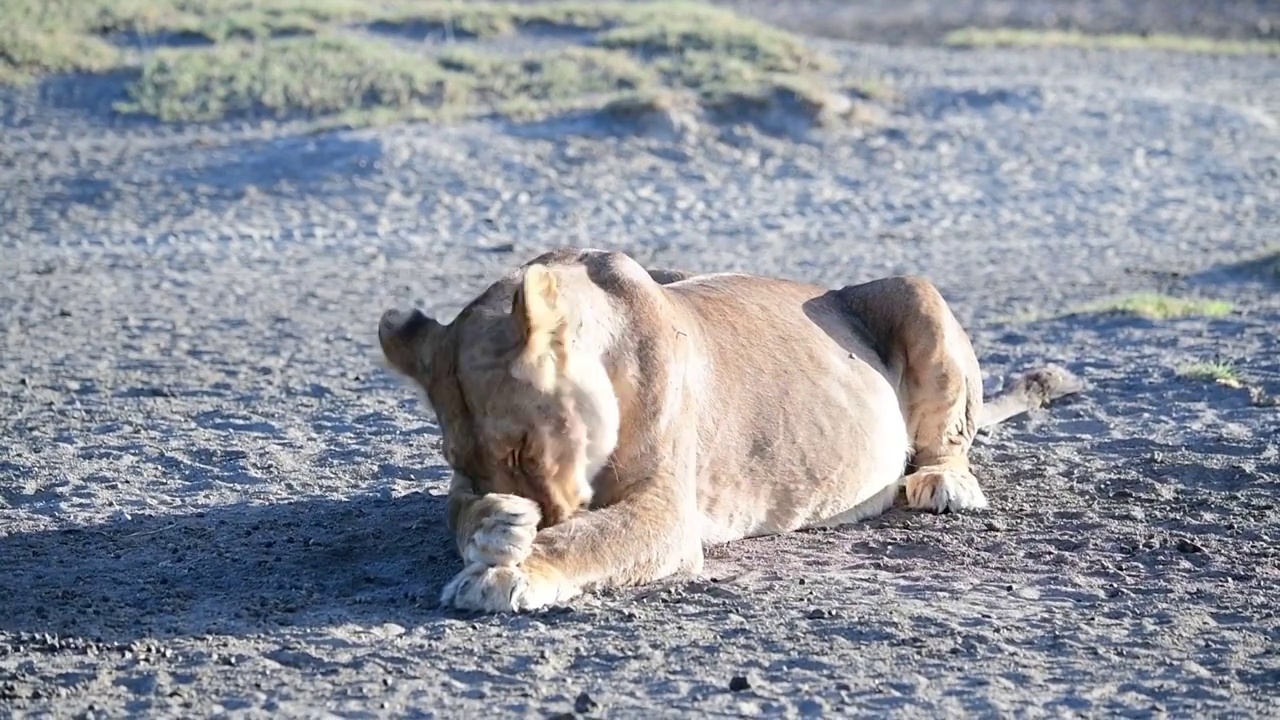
x,y
944,489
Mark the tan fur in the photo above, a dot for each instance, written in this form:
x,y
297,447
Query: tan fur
x,y
606,423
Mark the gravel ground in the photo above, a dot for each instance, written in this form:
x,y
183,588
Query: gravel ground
x,y
214,500
927,21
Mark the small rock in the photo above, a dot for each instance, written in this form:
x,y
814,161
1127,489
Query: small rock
x,y
585,704
995,526
819,613
813,707
392,629
1189,546
1122,495
739,683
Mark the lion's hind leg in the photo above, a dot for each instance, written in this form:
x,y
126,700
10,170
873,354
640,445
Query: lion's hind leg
x,y
943,399
940,388
874,506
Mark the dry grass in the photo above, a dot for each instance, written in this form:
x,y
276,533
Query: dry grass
x,y
1008,37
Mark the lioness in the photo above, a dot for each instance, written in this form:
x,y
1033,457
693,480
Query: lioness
x,y
605,422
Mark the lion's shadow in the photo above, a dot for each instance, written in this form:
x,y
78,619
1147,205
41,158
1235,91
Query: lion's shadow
x,y
232,569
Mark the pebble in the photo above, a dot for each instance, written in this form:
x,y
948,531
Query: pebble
x,y
1185,545
585,704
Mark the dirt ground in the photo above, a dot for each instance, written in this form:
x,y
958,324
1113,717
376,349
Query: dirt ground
x,y
215,501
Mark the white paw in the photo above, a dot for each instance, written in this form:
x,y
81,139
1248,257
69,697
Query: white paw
x,y
942,489
500,589
505,536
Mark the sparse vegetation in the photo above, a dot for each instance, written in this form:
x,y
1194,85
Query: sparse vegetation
x,y
364,61
708,38
28,50
361,79
318,74
1009,37
1155,306
1218,371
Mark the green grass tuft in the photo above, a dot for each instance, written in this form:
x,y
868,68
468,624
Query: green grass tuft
x,y
1155,306
1009,37
1219,372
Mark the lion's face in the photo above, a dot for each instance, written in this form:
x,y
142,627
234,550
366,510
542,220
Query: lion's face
x,y
519,412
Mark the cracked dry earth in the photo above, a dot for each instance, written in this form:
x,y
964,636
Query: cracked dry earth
x,y
215,501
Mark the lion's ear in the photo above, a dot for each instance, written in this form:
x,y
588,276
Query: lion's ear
x,y
539,314
407,340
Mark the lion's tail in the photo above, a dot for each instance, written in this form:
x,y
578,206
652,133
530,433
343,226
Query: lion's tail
x,y
1031,390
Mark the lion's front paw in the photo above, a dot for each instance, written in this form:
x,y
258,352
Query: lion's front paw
x,y
505,536
941,489
502,589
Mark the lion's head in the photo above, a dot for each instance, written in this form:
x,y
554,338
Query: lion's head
x,y
518,386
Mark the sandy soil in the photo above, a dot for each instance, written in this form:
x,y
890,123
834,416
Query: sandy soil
x,y
215,501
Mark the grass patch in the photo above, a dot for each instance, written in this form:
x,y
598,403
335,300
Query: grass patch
x,y
320,75
704,38
1009,37
332,58
489,20
25,56
1219,372
533,85
787,97
364,81
1154,306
